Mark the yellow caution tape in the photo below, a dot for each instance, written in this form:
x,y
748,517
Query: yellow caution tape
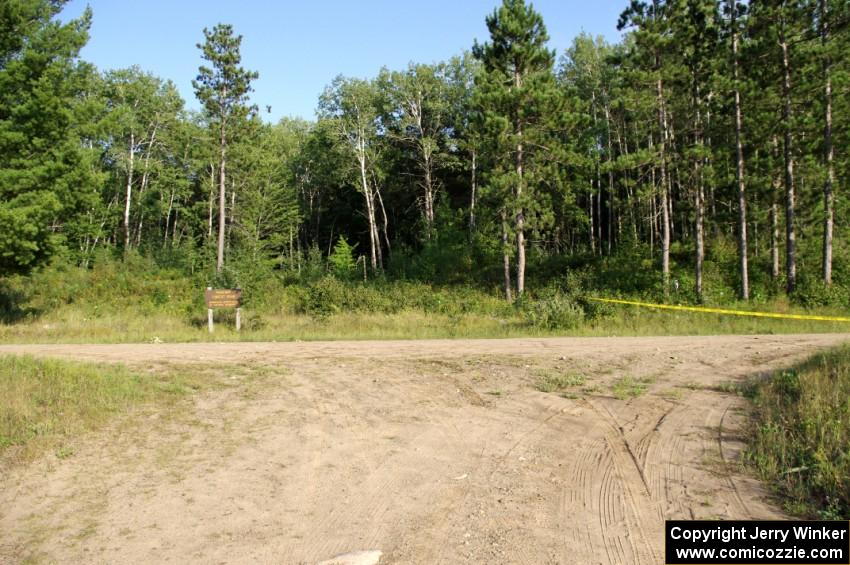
x,y
724,311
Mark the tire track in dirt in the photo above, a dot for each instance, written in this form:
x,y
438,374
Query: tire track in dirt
x,y
726,465
386,445
630,489
656,482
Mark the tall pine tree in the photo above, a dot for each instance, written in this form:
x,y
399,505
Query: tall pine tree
x,y
517,95
223,90
45,176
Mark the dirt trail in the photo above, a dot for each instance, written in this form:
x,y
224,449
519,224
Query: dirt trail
x,y
429,451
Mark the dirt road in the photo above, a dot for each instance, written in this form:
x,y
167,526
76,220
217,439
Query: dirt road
x,y
429,452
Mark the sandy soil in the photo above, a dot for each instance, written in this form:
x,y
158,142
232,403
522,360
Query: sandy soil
x,y
428,452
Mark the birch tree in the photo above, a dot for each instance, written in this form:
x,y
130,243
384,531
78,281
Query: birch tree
x,y
351,105
418,115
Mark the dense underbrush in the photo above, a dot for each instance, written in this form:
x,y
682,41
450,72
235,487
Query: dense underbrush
x,y
135,298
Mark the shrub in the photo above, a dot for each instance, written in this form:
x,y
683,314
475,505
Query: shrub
x,y
314,267
813,292
324,297
555,312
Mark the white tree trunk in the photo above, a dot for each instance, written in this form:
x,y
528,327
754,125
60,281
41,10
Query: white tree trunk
x,y
739,162
829,153
374,242
665,208
790,233
222,202
129,192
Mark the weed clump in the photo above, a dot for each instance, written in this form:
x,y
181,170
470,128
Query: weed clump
x,y
558,382
631,387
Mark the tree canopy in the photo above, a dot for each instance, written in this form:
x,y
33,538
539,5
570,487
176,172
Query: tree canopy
x,y
705,155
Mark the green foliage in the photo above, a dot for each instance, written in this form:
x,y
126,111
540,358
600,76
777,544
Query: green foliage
x,y
423,170
519,112
554,312
628,387
269,214
416,110
223,91
447,258
143,112
223,88
351,108
801,435
133,298
325,297
551,381
24,241
812,292
315,267
330,295
136,284
45,176
342,263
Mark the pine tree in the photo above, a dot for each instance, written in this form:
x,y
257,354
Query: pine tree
x,y
733,11
825,25
652,46
342,262
695,34
223,90
517,95
45,176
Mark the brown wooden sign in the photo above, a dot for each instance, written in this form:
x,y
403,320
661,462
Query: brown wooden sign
x,y
223,298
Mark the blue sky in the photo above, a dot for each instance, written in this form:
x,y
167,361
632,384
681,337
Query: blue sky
x,y
298,47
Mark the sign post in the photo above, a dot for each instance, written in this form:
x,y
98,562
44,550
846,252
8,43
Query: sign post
x,y
223,298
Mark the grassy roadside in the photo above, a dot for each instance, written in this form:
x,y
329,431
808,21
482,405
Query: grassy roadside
x,y
801,439
47,403
72,324
134,301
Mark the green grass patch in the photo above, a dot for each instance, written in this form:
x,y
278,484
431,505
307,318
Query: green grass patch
x,y
630,387
548,381
801,437
44,402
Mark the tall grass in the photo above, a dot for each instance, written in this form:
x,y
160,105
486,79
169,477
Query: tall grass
x,y
801,438
46,401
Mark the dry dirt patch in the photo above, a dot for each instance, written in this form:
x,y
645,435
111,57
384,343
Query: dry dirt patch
x,y
430,452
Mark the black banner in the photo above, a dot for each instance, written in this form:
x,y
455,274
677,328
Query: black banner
x,y
742,542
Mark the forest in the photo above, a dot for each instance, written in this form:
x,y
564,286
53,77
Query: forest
x,y
703,159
